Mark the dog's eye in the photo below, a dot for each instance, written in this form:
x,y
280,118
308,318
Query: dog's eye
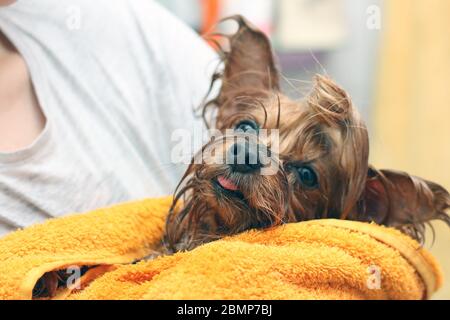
x,y
247,126
307,177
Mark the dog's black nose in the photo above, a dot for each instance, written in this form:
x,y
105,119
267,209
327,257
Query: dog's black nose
x,y
244,157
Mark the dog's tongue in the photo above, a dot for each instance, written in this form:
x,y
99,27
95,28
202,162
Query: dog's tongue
x,y
227,183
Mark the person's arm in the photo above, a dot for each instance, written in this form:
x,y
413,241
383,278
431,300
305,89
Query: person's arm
x,y
189,61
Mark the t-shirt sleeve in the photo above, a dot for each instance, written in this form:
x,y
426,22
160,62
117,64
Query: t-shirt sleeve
x,y
187,59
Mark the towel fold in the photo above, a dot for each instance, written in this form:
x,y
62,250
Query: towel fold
x,y
321,259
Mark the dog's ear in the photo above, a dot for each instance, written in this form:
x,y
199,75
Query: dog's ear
x,y
329,100
248,73
249,63
402,201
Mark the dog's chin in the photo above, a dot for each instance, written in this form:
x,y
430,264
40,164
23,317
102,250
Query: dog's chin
x,y
225,186
225,193
226,203
240,191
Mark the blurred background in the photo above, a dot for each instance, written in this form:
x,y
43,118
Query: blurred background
x,y
393,57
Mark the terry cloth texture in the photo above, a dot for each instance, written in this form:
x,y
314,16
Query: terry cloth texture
x,y
321,259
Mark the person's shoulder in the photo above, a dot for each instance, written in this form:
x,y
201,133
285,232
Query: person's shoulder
x,y
108,26
94,19
89,17
123,13
121,21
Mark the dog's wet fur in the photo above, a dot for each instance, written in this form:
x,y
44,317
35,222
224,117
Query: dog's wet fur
x,y
322,158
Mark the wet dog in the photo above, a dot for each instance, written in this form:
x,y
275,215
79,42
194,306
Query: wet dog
x,y
321,158
316,166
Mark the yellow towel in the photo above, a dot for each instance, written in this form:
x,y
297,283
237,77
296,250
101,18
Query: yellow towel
x,y
120,234
322,259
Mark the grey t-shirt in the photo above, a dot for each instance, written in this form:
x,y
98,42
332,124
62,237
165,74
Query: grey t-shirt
x,y
114,78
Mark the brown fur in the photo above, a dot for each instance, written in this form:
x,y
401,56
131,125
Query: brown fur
x,y
324,131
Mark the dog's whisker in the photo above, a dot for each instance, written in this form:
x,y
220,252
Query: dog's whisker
x,y
318,62
288,81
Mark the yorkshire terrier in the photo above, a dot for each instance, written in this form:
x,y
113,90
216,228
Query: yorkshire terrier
x,y
321,162
322,159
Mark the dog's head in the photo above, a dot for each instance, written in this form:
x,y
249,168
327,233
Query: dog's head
x,y
283,160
